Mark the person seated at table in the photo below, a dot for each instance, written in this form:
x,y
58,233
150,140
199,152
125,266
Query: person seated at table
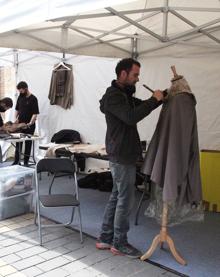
x,y
5,104
10,127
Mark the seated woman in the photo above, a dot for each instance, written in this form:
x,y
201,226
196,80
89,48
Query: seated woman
x,y
5,104
10,127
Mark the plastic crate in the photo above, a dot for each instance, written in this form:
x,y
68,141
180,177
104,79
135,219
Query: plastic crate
x,y
16,190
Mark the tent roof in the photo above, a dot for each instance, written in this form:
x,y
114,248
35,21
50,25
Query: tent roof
x,y
132,28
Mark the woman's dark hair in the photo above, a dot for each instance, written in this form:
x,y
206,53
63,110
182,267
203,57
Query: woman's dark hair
x,y
22,85
125,64
7,101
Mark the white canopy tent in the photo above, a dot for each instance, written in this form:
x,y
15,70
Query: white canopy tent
x,y
136,27
157,32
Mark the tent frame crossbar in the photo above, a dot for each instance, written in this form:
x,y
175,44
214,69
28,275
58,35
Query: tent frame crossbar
x,y
165,20
133,22
195,26
195,29
93,40
106,33
98,15
127,12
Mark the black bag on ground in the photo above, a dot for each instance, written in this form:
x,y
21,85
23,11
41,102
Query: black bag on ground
x,y
89,181
102,181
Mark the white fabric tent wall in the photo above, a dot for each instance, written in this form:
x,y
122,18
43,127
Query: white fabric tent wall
x,y
92,75
201,69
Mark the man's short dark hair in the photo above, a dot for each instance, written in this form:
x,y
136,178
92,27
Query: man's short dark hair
x,y
7,101
22,85
125,64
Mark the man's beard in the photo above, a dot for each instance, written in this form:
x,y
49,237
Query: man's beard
x,y
130,89
24,94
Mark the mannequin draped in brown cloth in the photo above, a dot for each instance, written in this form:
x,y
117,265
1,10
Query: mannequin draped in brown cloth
x,y
172,158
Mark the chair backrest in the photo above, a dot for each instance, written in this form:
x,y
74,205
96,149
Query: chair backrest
x,y
56,165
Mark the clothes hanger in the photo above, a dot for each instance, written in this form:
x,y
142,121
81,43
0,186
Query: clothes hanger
x,y
61,64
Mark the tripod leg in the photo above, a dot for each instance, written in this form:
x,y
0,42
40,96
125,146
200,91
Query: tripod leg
x,y
154,244
174,252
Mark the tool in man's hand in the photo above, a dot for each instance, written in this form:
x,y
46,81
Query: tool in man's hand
x,y
164,91
148,88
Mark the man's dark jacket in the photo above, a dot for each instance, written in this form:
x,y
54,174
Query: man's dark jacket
x,y
122,112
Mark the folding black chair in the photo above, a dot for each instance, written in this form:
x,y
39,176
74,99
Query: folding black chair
x,y
56,166
146,192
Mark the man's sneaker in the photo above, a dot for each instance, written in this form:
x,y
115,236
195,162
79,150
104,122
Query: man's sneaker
x,y
126,250
102,245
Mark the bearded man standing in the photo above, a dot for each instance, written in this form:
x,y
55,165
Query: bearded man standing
x,y
122,113
26,112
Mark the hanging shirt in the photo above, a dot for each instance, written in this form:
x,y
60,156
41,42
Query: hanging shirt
x,y
61,87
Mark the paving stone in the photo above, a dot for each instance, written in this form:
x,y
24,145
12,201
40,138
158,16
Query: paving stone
x,y
110,264
62,254
31,251
58,242
84,273
56,272
132,267
8,242
11,258
50,254
7,269
32,271
74,266
79,253
2,263
10,249
25,263
152,272
4,229
28,216
95,272
52,264
17,274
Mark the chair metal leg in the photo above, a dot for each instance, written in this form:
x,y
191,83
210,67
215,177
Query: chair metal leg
x,y
145,192
72,216
139,207
35,214
39,223
80,225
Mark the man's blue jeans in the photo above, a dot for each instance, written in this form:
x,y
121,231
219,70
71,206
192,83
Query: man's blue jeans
x,y
116,216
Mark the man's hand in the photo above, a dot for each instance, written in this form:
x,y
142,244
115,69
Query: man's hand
x,y
158,94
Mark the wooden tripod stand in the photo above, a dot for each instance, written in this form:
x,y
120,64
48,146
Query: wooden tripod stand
x,y
164,237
